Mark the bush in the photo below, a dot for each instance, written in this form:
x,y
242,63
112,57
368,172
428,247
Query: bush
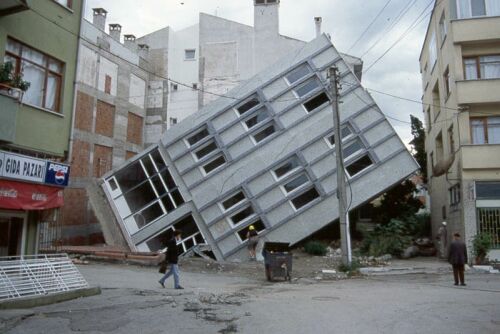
x,y
482,245
391,238
351,269
315,248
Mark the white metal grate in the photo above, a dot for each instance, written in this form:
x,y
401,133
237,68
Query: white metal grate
x,y
24,276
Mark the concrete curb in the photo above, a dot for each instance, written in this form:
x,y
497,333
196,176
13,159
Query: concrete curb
x,y
35,301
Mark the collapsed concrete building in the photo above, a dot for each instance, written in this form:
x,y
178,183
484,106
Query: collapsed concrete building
x,y
261,155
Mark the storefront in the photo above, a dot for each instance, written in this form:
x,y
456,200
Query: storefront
x,y
31,193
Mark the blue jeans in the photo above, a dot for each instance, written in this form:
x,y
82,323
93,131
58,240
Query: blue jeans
x,y
174,269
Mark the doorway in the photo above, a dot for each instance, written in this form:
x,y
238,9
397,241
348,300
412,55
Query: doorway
x,y
12,234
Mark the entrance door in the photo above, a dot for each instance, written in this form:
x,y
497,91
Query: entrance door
x,y
11,235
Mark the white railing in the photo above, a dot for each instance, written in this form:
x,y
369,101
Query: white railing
x,y
24,276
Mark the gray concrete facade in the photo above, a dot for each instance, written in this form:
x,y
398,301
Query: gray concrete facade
x,y
272,165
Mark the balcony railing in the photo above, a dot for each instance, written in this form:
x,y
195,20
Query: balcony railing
x,y
27,276
10,102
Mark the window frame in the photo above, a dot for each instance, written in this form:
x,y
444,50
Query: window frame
x,y
209,161
244,220
477,60
240,202
367,154
299,187
18,69
195,133
296,69
186,51
484,120
203,146
261,129
306,205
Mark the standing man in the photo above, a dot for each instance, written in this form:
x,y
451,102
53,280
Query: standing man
x,y
172,258
457,257
442,236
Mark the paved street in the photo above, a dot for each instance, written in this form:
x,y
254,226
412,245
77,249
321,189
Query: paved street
x,y
133,302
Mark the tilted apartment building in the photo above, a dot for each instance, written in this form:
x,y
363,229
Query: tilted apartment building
x,y
262,155
460,65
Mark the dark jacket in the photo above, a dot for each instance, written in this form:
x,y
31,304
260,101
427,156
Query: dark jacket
x,y
457,254
171,255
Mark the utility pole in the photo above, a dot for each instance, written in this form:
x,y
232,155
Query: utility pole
x,y
345,238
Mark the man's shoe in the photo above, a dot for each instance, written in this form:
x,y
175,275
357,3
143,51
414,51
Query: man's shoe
x,y
463,284
455,284
162,285
179,287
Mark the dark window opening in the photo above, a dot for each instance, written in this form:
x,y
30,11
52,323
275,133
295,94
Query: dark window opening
x,y
359,165
112,184
160,188
198,137
168,204
130,176
169,180
148,165
233,200
158,159
248,105
176,195
305,198
147,215
316,102
140,196
487,190
261,115
258,225
214,164
344,132
206,150
296,183
260,136
242,215
287,167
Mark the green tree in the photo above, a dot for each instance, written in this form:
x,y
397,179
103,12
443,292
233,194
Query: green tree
x,y
418,145
397,203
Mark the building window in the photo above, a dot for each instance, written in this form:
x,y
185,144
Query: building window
x,y
195,86
316,102
443,29
242,216
432,50
206,150
447,81
487,190
300,72
189,54
174,86
199,136
485,130
305,198
352,148
295,183
65,3
258,225
428,118
345,132
248,105
489,222
173,120
259,116
43,72
264,133
482,67
306,88
454,195
233,201
473,8
451,140
359,165
214,164
288,167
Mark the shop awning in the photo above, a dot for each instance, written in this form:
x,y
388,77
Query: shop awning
x,y
27,196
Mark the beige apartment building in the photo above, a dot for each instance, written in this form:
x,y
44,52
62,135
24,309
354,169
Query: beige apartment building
x,y
460,66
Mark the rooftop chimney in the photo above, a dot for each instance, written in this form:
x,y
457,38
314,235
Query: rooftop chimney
x,y
100,18
317,21
129,42
143,51
114,31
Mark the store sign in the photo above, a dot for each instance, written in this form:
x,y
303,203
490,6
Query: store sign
x,y
24,168
24,196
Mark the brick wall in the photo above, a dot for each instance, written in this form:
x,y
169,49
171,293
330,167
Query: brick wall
x,y
103,157
105,119
80,160
84,111
75,206
134,129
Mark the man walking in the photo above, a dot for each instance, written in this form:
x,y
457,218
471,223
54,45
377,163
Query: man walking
x,y
172,258
457,257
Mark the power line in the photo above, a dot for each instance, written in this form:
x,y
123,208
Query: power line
x,y
369,25
414,24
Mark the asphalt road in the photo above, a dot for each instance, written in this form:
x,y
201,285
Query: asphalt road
x,y
133,302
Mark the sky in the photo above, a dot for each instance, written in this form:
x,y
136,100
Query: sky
x,y
356,26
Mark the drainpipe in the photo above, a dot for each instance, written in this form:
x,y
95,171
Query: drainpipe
x,y
73,114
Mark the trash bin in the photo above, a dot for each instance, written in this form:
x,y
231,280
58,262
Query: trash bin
x,y
277,260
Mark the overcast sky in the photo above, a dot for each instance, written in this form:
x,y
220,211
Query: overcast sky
x,y
396,73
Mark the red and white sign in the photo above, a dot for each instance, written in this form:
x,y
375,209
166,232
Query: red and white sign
x,y
25,196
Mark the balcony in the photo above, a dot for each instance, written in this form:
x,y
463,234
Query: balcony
x,y
481,156
478,91
9,107
476,29
8,7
